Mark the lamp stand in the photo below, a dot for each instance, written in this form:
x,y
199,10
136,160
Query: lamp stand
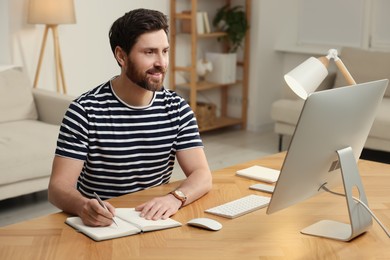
x,y
57,55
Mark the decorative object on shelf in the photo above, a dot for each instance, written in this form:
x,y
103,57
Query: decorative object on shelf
x,y
232,20
224,65
203,67
51,13
205,114
305,78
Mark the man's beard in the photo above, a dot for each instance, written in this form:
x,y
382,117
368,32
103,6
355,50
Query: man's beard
x,y
141,78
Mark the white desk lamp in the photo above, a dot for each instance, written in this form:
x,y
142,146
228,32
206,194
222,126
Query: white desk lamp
x,y
306,78
51,13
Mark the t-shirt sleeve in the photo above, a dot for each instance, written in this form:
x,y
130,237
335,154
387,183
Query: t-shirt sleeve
x,y
73,136
188,136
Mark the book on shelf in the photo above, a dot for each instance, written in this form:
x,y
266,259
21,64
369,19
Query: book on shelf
x,y
129,223
202,23
206,22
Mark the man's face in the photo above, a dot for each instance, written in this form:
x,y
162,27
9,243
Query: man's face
x,y
148,60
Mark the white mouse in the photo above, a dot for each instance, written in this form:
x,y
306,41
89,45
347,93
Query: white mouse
x,y
206,223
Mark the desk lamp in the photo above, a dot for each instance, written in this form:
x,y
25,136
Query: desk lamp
x,y
306,78
51,13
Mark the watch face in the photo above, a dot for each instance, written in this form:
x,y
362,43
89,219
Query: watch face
x,y
180,194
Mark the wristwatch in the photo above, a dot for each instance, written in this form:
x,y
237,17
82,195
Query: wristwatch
x,y
180,196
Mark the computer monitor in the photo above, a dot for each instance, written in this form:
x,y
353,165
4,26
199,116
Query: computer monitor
x,y
323,153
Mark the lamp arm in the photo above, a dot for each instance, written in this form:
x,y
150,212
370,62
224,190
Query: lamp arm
x,y
345,72
332,53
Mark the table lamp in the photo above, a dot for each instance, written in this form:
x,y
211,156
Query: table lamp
x,y
51,13
306,78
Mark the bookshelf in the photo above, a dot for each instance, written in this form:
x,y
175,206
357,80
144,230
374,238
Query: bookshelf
x,y
195,86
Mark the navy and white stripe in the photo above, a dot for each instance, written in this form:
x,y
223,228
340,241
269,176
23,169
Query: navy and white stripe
x,y
125,149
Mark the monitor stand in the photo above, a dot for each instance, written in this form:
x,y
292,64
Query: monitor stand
x,y
360,218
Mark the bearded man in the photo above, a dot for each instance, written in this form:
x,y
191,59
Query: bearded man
x,y
124,135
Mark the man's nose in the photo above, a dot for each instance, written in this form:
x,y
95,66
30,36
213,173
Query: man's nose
x,y
162,60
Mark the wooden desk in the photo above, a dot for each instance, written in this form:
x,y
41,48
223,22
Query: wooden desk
x,y
253,236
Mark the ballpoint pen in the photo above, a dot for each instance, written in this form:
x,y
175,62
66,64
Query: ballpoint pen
x,y
103,205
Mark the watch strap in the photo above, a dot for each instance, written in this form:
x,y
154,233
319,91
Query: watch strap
x,y
183,199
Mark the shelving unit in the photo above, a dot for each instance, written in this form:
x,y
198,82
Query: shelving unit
x,y
194,86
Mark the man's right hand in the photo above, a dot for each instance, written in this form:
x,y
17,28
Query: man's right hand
x,y
93,214
63,194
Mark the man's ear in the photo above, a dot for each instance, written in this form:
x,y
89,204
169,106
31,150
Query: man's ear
x,y
120,56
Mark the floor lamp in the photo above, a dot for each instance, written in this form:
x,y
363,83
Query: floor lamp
x,y
51,13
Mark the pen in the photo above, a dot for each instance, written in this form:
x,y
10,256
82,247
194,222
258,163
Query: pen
x,y
103,205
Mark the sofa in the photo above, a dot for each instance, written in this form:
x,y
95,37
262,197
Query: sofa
x,y
364,65
29,125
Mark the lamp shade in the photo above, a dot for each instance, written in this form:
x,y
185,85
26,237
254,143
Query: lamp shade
x,y
51,12
306,78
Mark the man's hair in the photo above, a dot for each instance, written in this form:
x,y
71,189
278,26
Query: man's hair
x,y
125,30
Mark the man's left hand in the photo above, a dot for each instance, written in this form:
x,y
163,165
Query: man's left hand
x,y
159,207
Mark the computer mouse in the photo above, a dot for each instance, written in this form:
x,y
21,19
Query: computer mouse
x,y
206,223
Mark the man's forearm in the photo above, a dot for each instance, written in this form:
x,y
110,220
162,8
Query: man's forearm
x,y
196,185
66,198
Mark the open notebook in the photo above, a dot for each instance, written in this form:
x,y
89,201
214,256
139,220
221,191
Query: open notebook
x,y
129,223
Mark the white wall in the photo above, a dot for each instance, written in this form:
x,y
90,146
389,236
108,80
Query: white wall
x,y
5,56
265,64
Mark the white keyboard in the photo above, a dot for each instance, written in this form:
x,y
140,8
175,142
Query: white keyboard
x,y
239,207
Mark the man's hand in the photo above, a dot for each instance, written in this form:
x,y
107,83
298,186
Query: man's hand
x,y
93,214
159,208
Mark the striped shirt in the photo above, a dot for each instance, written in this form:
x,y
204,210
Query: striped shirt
x,y
125,149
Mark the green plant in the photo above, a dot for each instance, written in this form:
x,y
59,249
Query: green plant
x,y
232,20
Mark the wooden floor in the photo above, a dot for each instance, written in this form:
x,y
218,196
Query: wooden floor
x,y
223,148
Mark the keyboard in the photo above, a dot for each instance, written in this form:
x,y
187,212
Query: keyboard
x,y
239,207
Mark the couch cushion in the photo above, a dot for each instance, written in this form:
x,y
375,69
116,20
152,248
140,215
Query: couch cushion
x,y
364,66
381,126
26,150
16,99
287,110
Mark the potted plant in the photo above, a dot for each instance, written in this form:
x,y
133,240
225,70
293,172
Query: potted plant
x,y
232,20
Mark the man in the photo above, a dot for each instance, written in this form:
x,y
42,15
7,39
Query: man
x,y
123,136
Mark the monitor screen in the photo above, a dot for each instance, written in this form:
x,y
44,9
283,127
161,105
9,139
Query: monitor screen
x,y
330,120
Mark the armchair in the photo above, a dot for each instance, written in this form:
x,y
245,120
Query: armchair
x,y
29,125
